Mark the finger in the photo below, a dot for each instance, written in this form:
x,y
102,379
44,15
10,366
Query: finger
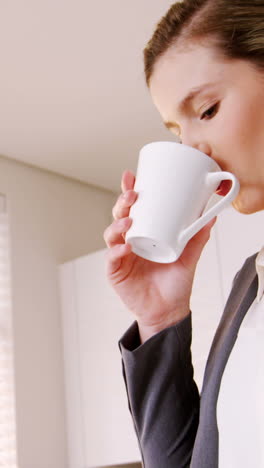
x,y
204,233
114,258
128,180
114,233
123,204
197,243
202,236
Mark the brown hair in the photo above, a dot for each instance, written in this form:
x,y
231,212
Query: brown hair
x,y
235,27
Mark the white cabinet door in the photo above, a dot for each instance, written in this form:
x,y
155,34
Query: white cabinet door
x,y
71,355
100,428
206,305
239,236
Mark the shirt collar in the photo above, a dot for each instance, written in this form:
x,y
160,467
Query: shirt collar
x,y
260,272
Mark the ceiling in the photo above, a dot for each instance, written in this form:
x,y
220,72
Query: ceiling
x,y
72,90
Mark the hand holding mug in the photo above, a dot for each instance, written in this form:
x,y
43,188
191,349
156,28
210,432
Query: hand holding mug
x,y
158,294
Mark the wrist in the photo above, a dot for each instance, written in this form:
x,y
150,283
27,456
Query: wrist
x,y
146,331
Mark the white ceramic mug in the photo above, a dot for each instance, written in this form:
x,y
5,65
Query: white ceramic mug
x,y
174,183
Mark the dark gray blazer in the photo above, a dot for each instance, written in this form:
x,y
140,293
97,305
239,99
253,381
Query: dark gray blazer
x,y
175,426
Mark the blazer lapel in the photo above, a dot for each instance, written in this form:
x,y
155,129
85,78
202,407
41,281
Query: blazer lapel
x,y
244,291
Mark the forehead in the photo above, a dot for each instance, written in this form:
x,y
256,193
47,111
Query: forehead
x,y
177,72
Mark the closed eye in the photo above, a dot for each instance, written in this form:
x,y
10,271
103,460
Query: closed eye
x,y
210,113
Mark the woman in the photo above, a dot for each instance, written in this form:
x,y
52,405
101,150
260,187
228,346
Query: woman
x,y
204,68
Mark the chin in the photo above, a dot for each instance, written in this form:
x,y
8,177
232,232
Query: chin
x,y
247,204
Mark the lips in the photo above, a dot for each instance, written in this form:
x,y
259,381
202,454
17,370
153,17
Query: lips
x,y
224,188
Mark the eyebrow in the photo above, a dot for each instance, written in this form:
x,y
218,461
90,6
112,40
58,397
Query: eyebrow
x,y
186,101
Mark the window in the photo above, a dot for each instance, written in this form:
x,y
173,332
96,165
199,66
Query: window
x,y
7,394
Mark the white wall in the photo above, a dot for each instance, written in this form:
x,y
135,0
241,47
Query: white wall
x,y
52,220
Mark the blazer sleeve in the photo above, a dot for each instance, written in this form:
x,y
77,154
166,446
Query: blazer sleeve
x,y
162,396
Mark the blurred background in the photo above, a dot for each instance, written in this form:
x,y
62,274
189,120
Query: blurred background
x,y
73,96
74,113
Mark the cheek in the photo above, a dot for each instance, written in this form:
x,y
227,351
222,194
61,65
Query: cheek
x,y
245,122
233,138
235,129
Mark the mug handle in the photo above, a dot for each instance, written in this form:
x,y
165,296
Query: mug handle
x,y
212,178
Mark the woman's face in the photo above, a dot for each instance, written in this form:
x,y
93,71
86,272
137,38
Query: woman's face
x,y
224,119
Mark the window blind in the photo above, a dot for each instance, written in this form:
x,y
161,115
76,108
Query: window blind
x,y
8,456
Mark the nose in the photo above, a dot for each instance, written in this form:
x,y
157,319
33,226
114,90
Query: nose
x,y
204,148
195,140
201,146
